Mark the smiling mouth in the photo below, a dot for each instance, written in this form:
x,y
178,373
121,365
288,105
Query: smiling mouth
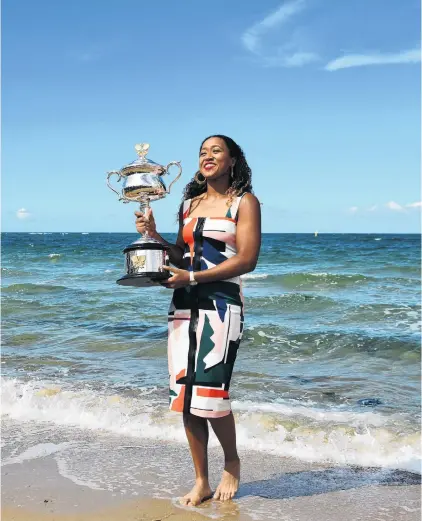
x,y
208,166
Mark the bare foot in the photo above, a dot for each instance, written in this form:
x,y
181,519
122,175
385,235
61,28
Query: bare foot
x,y
229,481
198,494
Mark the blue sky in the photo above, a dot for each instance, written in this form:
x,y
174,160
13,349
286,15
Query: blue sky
x,y
323,96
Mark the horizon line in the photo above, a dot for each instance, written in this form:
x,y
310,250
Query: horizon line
x,y
263,233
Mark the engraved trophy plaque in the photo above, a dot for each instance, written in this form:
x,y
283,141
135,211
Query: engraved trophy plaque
x,y
142,182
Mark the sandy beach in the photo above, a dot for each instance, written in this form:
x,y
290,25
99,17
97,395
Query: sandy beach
x,y
41,489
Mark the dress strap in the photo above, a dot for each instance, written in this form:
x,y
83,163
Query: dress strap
x,y
232,211
186,207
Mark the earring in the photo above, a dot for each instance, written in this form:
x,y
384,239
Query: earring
x,y
199,181
232,172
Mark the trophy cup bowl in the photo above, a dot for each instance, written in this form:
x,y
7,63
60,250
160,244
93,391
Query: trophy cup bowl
x,y
142,183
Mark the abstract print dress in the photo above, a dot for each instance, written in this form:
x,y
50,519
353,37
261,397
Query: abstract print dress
x,y
205,321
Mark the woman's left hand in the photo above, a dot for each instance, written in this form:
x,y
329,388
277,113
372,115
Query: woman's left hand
x,y
179,279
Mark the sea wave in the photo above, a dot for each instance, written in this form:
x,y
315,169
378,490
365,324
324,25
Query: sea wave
x,y
330,344
403,317
254,276
307,433
32,288
400,268
302,302
310,280
12,272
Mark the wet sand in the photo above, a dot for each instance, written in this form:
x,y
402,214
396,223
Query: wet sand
x,y
145,510
34,490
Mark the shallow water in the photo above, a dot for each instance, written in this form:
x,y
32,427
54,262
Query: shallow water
x,y
328,369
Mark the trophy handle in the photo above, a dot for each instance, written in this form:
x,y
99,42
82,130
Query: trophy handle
x,y
176,163
114,172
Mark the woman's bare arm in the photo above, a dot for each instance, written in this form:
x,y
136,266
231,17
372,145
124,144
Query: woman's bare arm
x,y
248,243
175,250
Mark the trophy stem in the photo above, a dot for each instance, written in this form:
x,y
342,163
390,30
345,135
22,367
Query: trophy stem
x,y
143,207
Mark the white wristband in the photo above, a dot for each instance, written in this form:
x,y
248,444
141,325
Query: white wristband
x,y
192,280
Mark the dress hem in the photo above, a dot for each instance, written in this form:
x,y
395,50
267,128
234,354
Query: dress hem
x,y
205,414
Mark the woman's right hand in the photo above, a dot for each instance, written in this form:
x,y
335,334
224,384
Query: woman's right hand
x,y
145,222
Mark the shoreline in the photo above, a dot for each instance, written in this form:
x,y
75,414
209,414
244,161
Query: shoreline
x,y
36,490
140,510
130,485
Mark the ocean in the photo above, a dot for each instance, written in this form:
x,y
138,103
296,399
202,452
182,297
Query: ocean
x,y
328,369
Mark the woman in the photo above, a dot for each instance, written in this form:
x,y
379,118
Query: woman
x,y
219,240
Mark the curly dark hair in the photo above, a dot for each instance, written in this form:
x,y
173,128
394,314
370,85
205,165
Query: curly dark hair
x,y
241,181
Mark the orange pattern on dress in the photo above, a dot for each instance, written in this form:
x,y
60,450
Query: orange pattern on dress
x,y
181,374
189,238
178,403
211,393
223,219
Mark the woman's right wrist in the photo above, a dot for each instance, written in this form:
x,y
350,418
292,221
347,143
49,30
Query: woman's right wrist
x,y
156,236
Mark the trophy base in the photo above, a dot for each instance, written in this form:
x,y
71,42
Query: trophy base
x,y
144,259
143,280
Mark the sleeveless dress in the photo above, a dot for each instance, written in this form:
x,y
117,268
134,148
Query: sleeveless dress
x,y
205,321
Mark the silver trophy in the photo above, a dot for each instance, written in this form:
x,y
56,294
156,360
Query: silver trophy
x,y
143,183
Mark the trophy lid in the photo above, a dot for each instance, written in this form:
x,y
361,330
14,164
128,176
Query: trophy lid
x,y
142,165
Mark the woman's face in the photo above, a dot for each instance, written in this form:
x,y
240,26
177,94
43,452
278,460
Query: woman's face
x,y
214,158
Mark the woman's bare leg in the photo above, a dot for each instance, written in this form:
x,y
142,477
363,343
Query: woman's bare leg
x,y
225,430
196,429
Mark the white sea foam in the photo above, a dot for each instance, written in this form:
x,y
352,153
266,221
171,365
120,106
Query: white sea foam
x,y
55,255
417,326
363,438
62,467
254,276
40,401
368,418
411,318
36,451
